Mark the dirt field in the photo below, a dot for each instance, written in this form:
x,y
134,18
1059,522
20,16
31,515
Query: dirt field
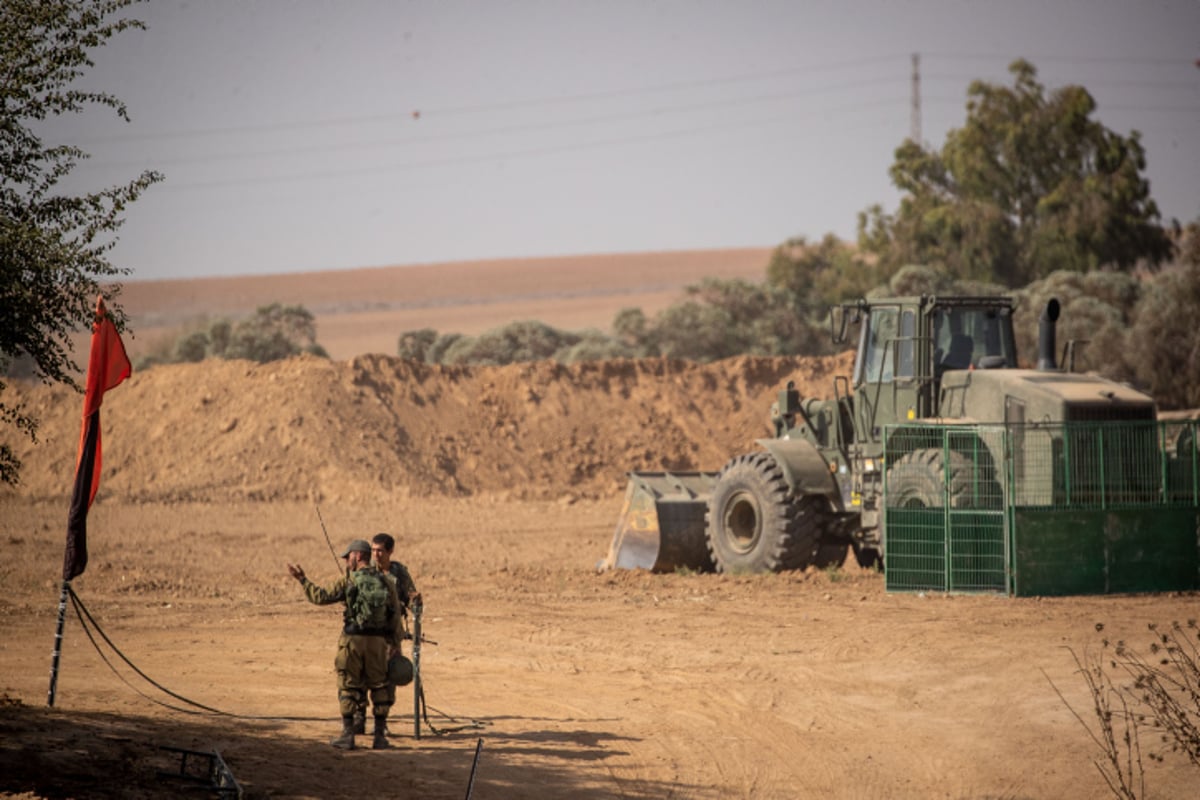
x,y
502,486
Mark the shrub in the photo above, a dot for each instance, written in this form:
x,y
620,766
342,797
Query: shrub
x,y
593,346
1164,343
729,318
416,344
1134,694
1096,310
437,351
515,342
273,332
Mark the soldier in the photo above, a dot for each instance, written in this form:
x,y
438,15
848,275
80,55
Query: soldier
x,y
370,635
382,547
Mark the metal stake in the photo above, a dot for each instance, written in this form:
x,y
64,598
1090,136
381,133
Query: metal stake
x,y
58,636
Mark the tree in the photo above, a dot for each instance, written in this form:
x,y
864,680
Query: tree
x,y
820,275
915,279
271,333
1164,343
1188,245
1097,310
724,318
526,340
1031,184
415,344
53,246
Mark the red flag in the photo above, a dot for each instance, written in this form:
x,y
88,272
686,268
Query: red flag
x,y
108,365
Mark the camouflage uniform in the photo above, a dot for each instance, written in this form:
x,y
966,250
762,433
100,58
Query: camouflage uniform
x,y
362,656
405,588
399,577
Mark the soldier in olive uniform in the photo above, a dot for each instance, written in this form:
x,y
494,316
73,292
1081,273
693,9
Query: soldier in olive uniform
x,y
382,547
370,635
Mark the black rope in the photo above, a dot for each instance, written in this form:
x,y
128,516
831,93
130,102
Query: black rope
x,y
77,603
470,724
81,611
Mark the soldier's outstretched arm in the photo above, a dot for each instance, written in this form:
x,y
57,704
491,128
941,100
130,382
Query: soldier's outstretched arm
x,y
320,595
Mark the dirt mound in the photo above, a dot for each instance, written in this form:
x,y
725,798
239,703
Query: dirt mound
x,y
312,429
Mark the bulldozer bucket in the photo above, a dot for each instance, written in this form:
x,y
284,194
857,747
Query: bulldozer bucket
x,y
661,527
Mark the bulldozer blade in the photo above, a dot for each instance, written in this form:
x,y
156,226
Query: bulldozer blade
x,y
661,527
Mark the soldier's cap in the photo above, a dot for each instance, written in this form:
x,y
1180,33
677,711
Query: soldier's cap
x,y
357,546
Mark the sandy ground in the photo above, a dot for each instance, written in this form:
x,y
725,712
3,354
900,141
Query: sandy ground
x,y
502,486
580,684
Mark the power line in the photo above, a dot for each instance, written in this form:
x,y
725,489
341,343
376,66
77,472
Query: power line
x,y
488,107
603,119
1059,59
537,152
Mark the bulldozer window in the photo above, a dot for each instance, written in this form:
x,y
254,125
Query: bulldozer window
x,y
962,336
904,348
878,365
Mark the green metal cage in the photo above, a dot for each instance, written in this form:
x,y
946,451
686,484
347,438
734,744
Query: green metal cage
x,y
1042,509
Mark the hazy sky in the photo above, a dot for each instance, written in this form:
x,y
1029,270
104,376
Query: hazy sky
x,y
315,134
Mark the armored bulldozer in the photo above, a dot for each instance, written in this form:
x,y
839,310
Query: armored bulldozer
x,y
937,419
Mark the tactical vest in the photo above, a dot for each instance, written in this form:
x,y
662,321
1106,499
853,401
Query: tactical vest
x,y
367,609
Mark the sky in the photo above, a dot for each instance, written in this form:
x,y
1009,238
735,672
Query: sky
x,y
318,135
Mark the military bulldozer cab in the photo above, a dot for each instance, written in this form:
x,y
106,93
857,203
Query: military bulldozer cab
x,y
814,490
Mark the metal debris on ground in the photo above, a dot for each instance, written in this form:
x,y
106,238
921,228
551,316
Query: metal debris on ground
x,y
197,767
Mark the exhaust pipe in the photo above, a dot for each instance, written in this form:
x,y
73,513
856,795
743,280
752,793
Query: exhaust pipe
x,y
1046,336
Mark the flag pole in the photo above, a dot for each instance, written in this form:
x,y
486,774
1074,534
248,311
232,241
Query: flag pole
x,y
58,637
416,659
108,366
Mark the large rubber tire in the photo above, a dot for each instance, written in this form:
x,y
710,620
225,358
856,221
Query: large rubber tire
x,y
753,523
868,558
929,478
830,554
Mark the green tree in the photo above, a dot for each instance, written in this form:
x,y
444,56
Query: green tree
x,y
1189,243
416,344
272,333
593,345
53,246
817,276
515,342
1097,311
441,345
724,318
630,326
1164,343
916,279
1031,184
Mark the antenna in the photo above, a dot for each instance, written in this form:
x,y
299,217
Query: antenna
x,y
915,121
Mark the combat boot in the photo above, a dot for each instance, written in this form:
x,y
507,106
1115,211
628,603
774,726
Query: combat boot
x,y
380,742
346,740
360,722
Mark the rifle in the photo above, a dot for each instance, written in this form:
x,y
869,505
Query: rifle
x,y
424,639
416,659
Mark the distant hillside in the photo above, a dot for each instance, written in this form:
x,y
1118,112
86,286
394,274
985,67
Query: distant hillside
x,y
364,310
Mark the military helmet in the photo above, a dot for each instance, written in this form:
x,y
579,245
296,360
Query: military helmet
x,y
400,670
357,546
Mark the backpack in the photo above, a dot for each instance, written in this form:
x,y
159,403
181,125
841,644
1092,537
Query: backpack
x,y
367,605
